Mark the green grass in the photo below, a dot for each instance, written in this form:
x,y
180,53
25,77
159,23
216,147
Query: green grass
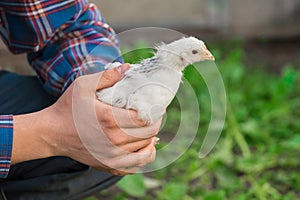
x,y
257,156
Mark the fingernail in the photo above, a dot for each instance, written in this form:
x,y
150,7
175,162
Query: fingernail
x,y
157,140
123,68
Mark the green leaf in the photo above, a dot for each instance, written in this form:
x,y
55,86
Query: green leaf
x,y
293,142
216,195
173,191
255,163
133,185
120,197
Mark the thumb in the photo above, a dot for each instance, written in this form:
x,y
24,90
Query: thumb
x,y
87,85
109,77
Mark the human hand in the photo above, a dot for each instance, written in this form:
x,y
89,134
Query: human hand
x,y
104,137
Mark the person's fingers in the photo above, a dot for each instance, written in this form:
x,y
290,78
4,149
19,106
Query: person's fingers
x,y
131,170
120,137
143,132
119,117
124,171
152,149
137,159
136,146
123,117
109,77
87,85
128,118
128,170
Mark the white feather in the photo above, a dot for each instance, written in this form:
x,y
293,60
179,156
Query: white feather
x,y
150,86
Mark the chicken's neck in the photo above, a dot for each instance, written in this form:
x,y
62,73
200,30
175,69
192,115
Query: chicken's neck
x,y
170,60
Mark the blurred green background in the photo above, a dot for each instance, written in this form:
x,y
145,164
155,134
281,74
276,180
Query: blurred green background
x,y
257,49
257,154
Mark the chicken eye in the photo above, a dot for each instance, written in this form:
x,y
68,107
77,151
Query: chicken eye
x,y
194,51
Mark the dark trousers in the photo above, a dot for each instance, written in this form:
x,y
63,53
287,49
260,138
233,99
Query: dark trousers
x,y
50,178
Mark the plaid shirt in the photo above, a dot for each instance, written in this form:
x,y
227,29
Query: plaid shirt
x,y
6,132
63,40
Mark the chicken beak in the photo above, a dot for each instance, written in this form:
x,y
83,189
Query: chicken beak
x,y
208,56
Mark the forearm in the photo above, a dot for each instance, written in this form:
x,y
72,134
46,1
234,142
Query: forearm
x,y
83,46
32,137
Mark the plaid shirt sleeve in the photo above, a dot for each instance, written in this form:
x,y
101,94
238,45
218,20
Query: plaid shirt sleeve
x,y
6,138
63,39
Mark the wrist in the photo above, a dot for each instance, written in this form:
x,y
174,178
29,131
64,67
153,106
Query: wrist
x,y
32,137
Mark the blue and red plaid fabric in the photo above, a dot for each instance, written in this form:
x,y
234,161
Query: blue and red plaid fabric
x,y
63,40
6,138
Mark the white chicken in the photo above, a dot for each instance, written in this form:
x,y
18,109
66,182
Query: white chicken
x,y
150,86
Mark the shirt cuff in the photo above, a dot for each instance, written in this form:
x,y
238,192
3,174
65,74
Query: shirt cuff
x,y
6,140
